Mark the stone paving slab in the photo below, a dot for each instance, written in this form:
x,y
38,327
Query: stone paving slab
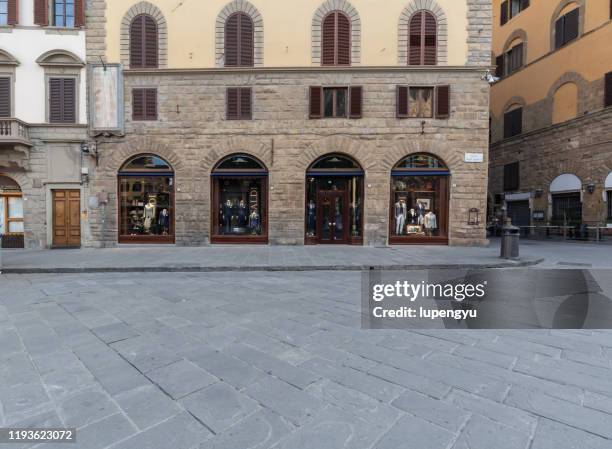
x,y
134,368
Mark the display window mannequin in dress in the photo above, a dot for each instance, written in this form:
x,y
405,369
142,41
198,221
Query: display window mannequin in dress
x,y
149,214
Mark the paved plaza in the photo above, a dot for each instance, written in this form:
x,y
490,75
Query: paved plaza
x,y
245,360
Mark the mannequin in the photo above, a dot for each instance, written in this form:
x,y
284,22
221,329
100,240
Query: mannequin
x,y
242,214
254,222
226,212
431,223
412,217
400,217
338,218
420,210
149,214
164,221
312,217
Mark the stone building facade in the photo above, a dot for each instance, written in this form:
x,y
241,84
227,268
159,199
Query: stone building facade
x,y
553,168
190,135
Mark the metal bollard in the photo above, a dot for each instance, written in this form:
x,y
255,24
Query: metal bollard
x,y
510,241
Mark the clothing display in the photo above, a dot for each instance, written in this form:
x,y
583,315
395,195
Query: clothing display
x,y
242,214
400,217
164,221
311,211
240,208
254,222
412,217
149,215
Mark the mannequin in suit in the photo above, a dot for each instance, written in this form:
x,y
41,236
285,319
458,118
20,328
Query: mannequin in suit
x,y
401,211
430,222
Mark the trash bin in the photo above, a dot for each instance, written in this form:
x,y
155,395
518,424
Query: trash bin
x,y
510,241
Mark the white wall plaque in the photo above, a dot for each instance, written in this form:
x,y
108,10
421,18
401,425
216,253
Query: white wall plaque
x,y
474,157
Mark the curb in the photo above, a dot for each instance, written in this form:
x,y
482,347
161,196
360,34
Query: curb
x,y
266,268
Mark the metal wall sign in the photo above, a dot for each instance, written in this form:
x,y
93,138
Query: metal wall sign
x,y
474,158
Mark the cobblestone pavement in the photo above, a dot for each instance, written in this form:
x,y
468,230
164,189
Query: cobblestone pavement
x,y
277,360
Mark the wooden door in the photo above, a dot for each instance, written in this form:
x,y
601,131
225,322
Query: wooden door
x,y
66,218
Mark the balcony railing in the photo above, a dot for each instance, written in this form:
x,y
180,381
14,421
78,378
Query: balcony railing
x,y
14,131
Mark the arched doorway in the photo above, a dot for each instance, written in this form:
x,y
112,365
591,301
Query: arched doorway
x,y
566,200
146,200
239,200
418,213
11,214
334,201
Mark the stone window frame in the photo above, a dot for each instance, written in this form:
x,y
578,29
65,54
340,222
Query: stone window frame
x,y
162,32
317,24
8,64
250,10
432,7
555,16
581,84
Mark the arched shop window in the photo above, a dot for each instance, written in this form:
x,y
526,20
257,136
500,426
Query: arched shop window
x,y
146,200
11,213
334,201
608,196
239,198
419,201
566,199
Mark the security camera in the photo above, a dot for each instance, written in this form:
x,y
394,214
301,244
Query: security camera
x,y
490,78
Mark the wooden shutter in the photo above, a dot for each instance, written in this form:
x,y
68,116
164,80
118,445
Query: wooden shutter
x,y
150,107
12,12
402,101
559,32
5,97
143,42
138,104
343,39
355,102
608,89
328,40
499,62
316,102
524,4
232,26
430,31
79,13
232,99
246,49
136,42
245,103
415,42
442,102
517,54
62,100
41,12
572,25
150,42
504,13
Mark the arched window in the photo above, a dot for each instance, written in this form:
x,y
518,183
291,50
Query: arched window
x,y
423,41
146,200
239,41
565,103
418,212
567,26
240,200
11,214
336,39
566,199
143,42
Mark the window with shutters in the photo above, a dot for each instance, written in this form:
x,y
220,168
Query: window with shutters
x,y
567,28
336,39
608,89
239,41
143,42
514,59
336,102
513,122
421,102
62,100
512,8
511,177
239,103
63,13
5,97
423,40
144,104
4,12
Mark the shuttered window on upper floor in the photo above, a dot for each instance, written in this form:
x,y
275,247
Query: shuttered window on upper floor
x,y
513,123
63,13
511,176
336,39
423,41
62,100
336,102
608,89
423,102
5,96
514,59
144,104
9,12
567,28
239,41
239,103
511,8
143,42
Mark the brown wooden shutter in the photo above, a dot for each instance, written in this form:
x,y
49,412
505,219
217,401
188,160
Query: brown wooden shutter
x,y
572,25
55,100
559,32
41,12
499,70
69,100
316,102
442,102
232,26
343,40
430,31
5,97
143,42
356,102
136,42
402,101
524,4
415,42
245,94
150,42
504,13
232,99
12,12
246,49
62,100
79,13
328,40
138,104
150,107
608,89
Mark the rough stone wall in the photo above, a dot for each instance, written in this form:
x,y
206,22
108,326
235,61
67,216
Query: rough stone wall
x,y
580,147
193,135
95,36
480,32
